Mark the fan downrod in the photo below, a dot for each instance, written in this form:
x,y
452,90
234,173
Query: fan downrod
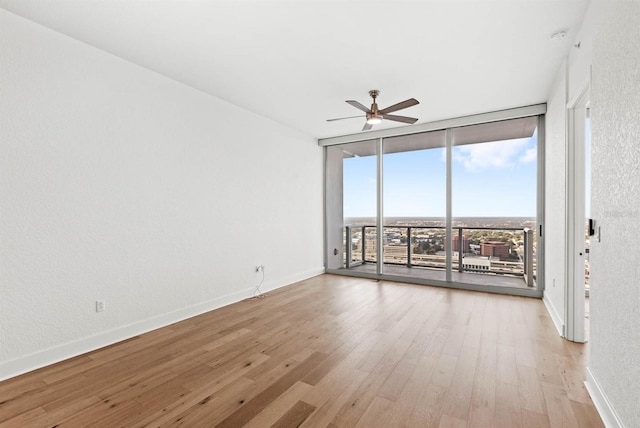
x,y
373,112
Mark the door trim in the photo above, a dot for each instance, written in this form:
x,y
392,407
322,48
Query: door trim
x,y
575,208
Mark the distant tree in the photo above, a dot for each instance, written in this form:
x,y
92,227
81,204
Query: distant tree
x,y
422,248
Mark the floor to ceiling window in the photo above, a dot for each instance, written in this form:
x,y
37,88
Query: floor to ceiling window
x,y
456,206
359,204
494,204
414,194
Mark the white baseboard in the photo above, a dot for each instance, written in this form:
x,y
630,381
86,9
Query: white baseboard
x,y
558,322
607,413
12,368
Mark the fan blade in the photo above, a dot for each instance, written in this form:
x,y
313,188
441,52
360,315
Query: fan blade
x,y
367,126
404,104
358,106
404,119
341,118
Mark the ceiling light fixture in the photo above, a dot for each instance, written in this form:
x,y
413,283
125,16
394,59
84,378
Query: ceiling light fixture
x,y
373,119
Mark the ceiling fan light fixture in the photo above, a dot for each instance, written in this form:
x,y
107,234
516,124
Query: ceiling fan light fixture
x,y
373,119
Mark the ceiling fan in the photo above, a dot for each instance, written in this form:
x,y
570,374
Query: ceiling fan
x,y
375,116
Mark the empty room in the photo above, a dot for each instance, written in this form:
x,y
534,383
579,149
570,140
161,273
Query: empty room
x,y
271,213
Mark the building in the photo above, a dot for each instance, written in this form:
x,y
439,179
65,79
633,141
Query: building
x,y
135,183
465,243
476,264
494,249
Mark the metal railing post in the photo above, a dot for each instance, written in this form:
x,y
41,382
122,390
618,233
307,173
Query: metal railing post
x,y
364,247
348,246
528,257
460,251
409,249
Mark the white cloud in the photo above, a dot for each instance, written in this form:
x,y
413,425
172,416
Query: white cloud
x,y
529,155
497,154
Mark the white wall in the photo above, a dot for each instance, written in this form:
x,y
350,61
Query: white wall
x,y
334,226
571,79
117,183
615,272
555,200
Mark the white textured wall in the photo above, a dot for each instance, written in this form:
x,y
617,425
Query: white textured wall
x,y
580,56
555,199
615,274
117,183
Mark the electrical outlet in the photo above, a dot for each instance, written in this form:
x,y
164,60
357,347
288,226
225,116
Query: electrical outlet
x,y
259,268
99,305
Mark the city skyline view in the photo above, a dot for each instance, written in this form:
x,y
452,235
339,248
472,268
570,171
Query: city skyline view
x,y
495,179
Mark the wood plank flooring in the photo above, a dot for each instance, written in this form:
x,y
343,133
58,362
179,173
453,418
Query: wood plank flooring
x,y
330,351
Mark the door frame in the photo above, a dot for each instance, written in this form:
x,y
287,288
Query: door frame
x,y
575,218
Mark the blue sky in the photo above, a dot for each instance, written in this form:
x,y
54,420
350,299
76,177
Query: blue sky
x,y
495,179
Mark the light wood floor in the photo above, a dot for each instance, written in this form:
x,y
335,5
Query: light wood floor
x,y
331,351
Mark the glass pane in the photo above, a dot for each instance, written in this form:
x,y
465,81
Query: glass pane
x,y
359,193
494,194
414,179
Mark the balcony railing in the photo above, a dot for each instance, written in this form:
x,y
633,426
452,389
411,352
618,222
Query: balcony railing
x,y
485,250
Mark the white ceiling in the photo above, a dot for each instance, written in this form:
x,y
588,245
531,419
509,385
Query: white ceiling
x,y
296,62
